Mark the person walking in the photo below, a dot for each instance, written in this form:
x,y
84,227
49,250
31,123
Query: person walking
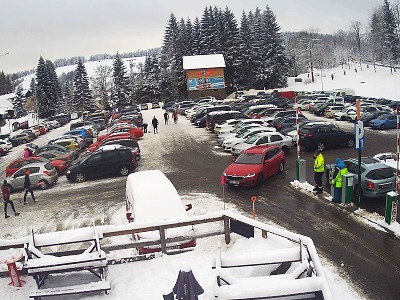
x,y
337,178
27,186
27,153
144,127
154,122
6,199
175,116
166,118
319,168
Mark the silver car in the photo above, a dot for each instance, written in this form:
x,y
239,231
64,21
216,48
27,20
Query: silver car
x,y
42,175
376,178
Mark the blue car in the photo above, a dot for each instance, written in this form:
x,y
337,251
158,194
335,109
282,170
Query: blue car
x,y
84,133
384,122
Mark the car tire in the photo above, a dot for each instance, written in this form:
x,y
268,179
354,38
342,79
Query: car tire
x,y
79,177
43,184
350,143
123,171
24,141
281,167
286,150
320,145
260,179
382,126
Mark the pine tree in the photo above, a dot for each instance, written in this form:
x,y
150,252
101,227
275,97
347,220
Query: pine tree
x,y
18,103
82,98
196,38
391,39
44,91
55,85
170,60
120,81
244,68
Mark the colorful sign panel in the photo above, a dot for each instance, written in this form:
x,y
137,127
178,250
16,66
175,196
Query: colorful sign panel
x,y
204,83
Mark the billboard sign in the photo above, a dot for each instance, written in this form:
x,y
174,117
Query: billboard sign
x,y
204,83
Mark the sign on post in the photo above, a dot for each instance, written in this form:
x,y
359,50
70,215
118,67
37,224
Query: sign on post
x,y
359,131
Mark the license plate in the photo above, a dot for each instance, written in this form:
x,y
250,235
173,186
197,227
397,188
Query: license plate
x,y
385,186
234,181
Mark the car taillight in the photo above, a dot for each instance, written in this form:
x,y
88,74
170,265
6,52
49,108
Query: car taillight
x,y
309,135
279,126
370,185
47,173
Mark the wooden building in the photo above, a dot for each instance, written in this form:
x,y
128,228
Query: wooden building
x,y
205,76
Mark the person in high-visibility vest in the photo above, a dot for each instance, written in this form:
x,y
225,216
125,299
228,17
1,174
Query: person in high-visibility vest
x,y
319,168
337,180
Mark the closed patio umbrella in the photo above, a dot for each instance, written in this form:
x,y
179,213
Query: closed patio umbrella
x,y
186,286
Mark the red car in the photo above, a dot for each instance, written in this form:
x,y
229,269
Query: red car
x,y
60,165
254,165
113,136
137,132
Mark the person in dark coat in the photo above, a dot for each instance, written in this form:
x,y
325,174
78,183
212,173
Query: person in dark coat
x,y
6,199
27,187
166,118
144,127
154,122
186,286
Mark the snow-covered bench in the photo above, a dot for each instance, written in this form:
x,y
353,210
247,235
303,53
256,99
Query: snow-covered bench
x,y
266,286
40,265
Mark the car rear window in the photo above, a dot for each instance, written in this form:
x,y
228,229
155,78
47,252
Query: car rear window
x,y
125,154
379,174
48,166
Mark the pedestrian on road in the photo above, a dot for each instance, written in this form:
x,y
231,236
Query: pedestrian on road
x,y
6,199
340,170
144,127
27,186
27,153
332,76
154,122
175,116
319,168
166,118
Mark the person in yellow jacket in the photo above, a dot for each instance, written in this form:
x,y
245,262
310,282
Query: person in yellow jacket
x,y
340,170
319,168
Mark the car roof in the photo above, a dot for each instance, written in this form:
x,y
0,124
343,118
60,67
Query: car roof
x,y
369,162
260,149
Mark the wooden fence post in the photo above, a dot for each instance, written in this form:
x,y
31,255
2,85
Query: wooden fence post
x,y
227,230
162,240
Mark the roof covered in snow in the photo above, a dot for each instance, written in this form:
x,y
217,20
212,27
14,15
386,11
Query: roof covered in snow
x,y
203,61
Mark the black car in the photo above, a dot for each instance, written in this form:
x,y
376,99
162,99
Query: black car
x,y
325,135
320,110
102,163
129,143
283,122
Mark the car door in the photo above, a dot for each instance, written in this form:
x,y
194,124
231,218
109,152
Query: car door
x,y
391,121
262,141
276,139
93,166
18,179
110,161
270,163
333,135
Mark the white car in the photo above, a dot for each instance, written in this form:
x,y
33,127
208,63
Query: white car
x,y
331,110
342,115
234,140
243,122
265,138
222,136
6,145
389,159
227,124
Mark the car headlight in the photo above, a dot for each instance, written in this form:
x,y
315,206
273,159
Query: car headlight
x,y
224,174
251,175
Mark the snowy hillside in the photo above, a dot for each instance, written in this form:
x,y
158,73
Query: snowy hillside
x,y
91,67
365,82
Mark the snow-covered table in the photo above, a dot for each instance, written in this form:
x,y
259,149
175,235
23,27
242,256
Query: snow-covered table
x,y
10,257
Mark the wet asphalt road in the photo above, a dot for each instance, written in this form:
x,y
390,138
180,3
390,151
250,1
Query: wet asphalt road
x,y
369,257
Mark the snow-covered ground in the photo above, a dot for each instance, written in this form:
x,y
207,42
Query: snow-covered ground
x,y
150,279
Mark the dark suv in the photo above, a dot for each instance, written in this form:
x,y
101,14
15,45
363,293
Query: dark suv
x,y
102,163
325,135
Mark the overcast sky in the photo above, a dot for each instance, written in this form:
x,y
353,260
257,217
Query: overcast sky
x,y
61,29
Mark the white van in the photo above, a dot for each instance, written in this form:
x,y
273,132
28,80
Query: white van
x,y
151,196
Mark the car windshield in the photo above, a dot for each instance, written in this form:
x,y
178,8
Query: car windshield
x,y
252,139
249,159
242,134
